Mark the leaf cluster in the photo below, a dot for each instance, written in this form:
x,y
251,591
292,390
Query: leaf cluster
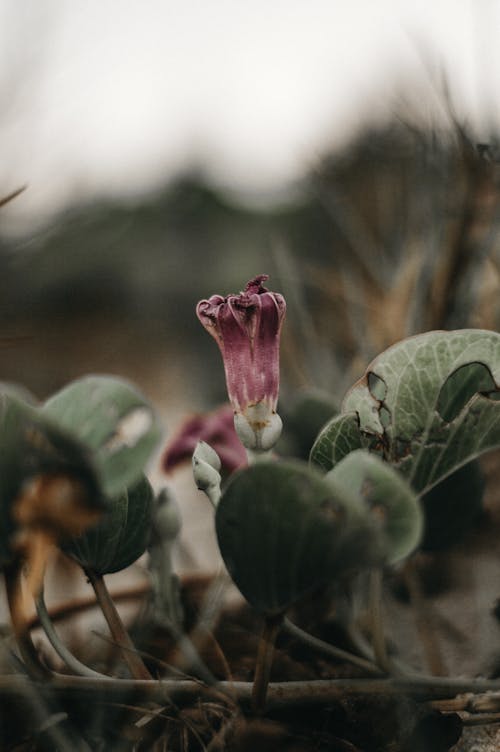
x,y
73,460
423,410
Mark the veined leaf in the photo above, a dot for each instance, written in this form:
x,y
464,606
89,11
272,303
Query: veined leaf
x,y
389,503
339,437
111,418
283,530
122,534
428,405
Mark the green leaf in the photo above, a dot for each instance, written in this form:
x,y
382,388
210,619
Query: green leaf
x,y
339,437
428,405
110,417
121,536
391,506
282,532
301,423
17,391
32,447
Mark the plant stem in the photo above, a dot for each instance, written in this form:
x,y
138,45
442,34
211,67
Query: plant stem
x,y
77,605
116,627
80,669
377,621
398,667
272,626
13,587
191,657
331,650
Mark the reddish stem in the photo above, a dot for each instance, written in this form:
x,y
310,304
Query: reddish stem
x,y
265,653
116,627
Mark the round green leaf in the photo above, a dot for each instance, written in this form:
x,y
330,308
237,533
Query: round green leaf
x,y
391,507
109,416
282,530
121,536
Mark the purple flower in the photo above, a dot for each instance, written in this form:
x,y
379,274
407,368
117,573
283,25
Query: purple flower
x,y
216,429
247,329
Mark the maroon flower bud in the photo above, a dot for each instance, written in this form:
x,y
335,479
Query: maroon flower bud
x,y
217,429
247,329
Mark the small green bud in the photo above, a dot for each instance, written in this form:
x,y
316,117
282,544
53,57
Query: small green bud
x,y
206,465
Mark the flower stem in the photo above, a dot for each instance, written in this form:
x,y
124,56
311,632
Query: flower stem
x,y
13,587
272,626
115,624
331,650
398,667
78,605
80,669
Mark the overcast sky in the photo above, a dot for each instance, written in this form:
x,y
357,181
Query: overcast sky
x,y
117,96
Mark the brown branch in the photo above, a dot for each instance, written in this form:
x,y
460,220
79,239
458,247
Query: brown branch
x,y
279,695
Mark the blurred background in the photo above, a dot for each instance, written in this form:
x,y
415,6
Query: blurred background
x,y
172,150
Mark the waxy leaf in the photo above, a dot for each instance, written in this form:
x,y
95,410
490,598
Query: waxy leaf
x,y
111,418
47,480
301,423
282,532
389,503
427,405
17,391
122,534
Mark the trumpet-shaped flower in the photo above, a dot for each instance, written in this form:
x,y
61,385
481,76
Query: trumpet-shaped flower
x,y
247,328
